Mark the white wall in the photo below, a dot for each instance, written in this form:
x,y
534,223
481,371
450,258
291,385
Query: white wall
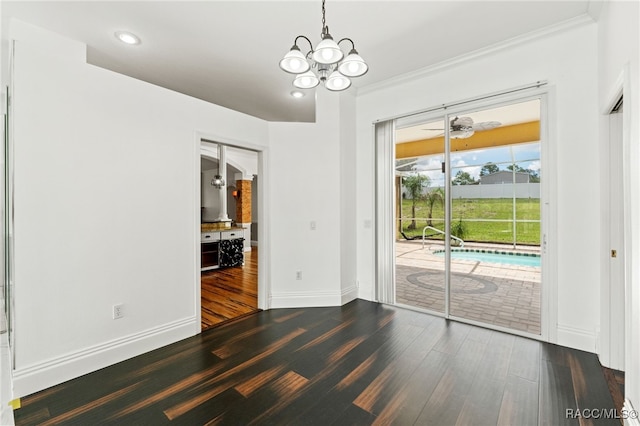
x,y
618,49
97,222
348,191
6,391
241,164
568,60
210,197
85,188
306,187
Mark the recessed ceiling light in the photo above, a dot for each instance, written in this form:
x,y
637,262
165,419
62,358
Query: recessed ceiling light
x,y
127,37
297,94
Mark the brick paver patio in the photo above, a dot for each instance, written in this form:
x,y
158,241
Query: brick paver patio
x,y
499,294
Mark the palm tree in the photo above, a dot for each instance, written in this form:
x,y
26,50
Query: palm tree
x,y
414,184
434,196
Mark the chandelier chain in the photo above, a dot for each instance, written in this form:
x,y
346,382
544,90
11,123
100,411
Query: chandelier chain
x,y
324,25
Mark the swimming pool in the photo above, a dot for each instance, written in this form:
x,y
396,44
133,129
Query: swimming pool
x,y
491,256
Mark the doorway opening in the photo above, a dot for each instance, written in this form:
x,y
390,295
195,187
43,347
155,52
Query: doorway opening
x,y
615,280
229,237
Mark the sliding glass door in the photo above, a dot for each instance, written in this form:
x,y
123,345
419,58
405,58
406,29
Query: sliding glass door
x,y
468,215
420,199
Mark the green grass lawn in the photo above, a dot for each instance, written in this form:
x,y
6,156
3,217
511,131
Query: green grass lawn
x,y
477,216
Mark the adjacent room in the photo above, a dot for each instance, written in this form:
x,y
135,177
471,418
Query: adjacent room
x,y
228,241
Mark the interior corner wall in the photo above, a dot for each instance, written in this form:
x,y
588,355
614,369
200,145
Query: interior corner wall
x,y
568,61
106,175
619,55
348,228
304,221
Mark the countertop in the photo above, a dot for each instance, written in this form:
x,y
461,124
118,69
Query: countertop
x,y
214,227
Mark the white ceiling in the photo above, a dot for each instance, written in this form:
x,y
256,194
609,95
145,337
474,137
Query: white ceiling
x,y
227,52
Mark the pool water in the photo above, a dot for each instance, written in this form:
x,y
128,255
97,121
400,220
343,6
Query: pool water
x,y
494,257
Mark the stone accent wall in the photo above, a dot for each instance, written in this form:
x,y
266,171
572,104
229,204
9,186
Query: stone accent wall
x,y
243,201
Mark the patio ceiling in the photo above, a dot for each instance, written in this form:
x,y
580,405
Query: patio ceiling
x,y
519,123
504,135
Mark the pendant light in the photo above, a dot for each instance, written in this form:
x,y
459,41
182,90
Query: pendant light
x,y
326,63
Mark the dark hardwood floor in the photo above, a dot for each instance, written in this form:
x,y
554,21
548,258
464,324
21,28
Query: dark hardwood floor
x,y
362,363
615,380
230,293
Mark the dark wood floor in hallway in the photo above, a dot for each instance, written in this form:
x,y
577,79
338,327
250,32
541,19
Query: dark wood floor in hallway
x,y
362,363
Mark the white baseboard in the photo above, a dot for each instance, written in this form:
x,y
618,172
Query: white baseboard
x,y
36,377
291,299
629,414
577,338
349,294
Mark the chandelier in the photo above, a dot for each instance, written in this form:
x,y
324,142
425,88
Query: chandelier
x,y
331,67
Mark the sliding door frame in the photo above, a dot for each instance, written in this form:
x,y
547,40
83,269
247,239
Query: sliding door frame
x,y
385,204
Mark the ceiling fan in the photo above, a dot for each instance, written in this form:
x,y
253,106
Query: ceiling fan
x,y
464,127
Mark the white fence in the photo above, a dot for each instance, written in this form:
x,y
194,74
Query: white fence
x,y
504,190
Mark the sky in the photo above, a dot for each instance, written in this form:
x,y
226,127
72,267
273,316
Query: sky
x,y
526,156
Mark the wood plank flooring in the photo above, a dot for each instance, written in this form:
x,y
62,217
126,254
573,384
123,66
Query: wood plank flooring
x,y
615,380
362,363
230,293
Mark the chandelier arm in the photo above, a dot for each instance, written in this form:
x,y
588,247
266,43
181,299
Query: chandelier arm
x,y
353,46
308,41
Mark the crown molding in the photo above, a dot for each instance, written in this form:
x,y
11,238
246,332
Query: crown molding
x,y
594,9
560,27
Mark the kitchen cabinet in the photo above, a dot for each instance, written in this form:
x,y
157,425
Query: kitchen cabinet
x,y
222,248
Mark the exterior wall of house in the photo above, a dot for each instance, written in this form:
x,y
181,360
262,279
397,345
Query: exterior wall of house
x,y
567,59
619,63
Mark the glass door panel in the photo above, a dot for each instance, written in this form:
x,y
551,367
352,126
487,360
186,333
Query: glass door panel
x,y
420,215
495,215
467,236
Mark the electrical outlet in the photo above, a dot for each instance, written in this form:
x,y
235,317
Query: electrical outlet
x,y
312,225
298,275
118,311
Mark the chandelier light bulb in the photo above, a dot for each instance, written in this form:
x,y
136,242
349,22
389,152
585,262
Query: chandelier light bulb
x,y
353,65
306,80
294,61
337,82
328,51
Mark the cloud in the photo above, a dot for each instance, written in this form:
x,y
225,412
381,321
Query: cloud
x,y
432,167
534,166
461,165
